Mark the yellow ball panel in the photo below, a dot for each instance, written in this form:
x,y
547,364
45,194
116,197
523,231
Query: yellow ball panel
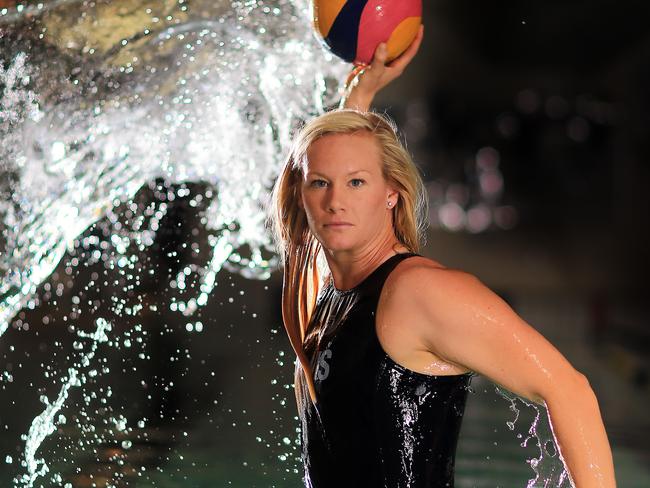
x,y
402,36
325,13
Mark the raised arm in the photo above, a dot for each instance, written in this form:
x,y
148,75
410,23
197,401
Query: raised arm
x,y
364,82
460,320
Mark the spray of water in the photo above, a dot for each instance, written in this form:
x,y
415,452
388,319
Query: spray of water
x,y
45,423
209,95
549,468
221,112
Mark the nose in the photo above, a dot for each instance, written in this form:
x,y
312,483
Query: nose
x,y
334,199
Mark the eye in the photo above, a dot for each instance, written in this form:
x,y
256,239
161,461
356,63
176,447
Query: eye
x,y
357,182
318,183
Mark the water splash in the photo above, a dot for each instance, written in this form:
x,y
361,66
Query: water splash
x,y
45,423
548,467
92,114
198,100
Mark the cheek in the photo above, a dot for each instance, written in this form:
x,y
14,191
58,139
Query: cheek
x,y
374,207
310,206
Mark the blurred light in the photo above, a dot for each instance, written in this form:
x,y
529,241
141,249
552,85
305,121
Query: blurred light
x,y
487,158
479,218
491,183
489,176
457,193
452,216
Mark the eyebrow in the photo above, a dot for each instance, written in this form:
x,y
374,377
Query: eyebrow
x,y
349,174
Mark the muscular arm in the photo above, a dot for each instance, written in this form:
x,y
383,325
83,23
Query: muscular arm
x,y
462,321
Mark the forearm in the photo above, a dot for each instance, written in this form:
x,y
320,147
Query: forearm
x,y
355,95
580,434
357,101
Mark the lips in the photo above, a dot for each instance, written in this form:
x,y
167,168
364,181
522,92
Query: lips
x,y
337,224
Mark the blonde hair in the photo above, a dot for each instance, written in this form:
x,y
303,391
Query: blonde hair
x,y
299,248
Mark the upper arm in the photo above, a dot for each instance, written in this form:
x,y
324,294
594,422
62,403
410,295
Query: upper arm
x,y
461,320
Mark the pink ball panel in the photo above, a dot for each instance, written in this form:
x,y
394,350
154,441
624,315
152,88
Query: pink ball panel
x,y
378,20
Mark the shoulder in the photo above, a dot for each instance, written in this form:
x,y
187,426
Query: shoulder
x,y
427,289
428,302
440,300
419,275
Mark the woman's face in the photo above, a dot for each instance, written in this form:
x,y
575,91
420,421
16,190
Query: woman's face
x,y
344,193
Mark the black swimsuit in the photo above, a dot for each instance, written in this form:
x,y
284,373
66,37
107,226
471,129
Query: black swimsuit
x,y
376,424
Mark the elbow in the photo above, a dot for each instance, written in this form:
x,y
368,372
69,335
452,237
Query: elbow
x,y
579,380
588,394
575,381
574,389
582,385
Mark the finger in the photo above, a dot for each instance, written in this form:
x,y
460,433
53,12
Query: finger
x,y
380,56
405,58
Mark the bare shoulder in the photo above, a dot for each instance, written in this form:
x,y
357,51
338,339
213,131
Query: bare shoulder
x,y
440,299
419,275
415,319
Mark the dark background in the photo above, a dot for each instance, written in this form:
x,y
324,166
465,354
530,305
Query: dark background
x,y
560,90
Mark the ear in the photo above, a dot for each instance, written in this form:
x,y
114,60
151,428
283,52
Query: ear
x,y
392,196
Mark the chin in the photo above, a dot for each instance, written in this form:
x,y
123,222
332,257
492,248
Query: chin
x,y
335,245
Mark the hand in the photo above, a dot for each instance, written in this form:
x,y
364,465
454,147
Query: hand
x,y
365,81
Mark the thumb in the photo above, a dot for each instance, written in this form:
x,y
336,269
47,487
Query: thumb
x,y
381,54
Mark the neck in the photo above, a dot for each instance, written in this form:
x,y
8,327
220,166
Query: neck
x,y
349,268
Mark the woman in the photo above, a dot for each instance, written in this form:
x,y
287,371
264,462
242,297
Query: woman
x,y
387,341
